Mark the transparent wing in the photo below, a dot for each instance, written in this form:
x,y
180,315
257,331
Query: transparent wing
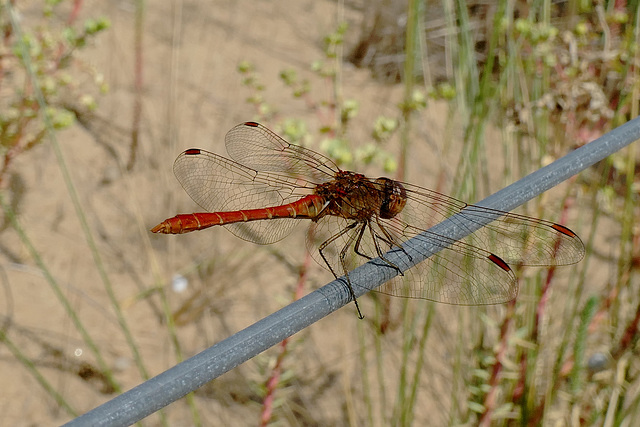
x,y
267,172
517,239
460,274
256,147
218,184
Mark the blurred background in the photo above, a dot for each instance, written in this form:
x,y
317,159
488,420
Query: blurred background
x,y
98,98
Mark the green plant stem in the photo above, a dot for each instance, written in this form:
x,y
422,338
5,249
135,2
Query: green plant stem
x,y
579,345
138,82
364,373
409,82
31,367
410,405
408,331
104,367
76,202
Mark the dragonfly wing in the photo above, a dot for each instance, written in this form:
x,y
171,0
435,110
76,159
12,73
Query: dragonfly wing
x,y
257,147
449,277
460,274
522,240
218,184
517,239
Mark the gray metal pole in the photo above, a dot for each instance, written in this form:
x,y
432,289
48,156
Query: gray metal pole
x,y
187,376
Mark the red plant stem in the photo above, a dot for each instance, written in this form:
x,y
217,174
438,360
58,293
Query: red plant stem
x,y
61,50
75,11
14,145
491,397
534,338
544,297
542,303
630,334
518,391
567,366
272,382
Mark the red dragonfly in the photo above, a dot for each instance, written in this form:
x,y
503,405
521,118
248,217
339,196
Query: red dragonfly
x,y
271,184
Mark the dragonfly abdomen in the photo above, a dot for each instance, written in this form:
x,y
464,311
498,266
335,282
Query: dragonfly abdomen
x,y
306,208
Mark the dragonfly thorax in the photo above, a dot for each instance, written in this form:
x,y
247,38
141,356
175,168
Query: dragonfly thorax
x,y
354,196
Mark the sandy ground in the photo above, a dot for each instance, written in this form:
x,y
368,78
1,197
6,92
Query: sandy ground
x,y
192,97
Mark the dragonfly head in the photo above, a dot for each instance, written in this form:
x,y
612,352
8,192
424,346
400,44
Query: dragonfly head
x,y
394,197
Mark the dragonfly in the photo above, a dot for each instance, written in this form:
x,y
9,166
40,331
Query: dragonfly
x,y
269,185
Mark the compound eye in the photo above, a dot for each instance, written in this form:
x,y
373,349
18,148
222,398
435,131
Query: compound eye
x,y
394,198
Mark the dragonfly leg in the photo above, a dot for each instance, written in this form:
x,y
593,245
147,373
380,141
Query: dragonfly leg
x,y
387,238
343,252
356,247
390,240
